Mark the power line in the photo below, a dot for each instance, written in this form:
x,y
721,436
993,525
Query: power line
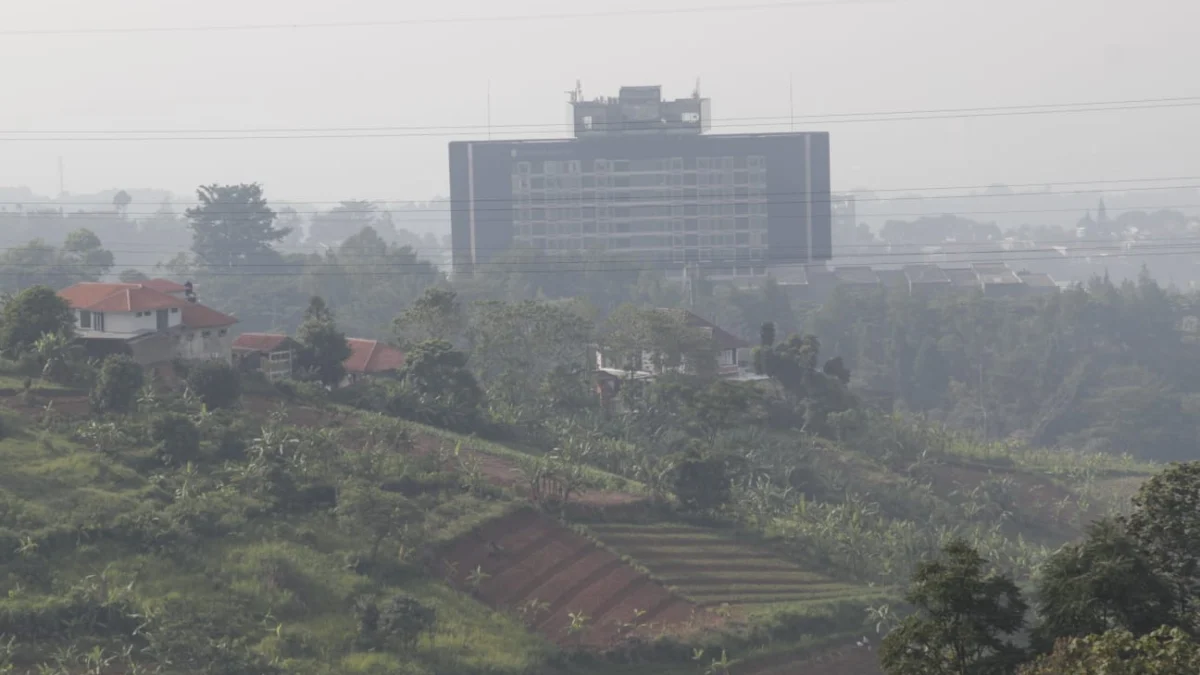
x,y
566,263
739,263
1053,244
484,199
557,16
600,124
235,216
574,202
835,198
998,112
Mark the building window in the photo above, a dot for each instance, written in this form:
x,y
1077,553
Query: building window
x,y
587,122
206,333
174,310
85,319
222,332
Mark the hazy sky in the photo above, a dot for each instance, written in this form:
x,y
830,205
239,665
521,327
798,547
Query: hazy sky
x,y
875,56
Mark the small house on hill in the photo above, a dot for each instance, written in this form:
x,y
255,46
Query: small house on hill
x,y
153,322
727,347
371,358
271,353
276,354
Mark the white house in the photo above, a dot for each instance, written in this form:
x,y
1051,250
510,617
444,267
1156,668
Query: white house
x,y
156,321
728,347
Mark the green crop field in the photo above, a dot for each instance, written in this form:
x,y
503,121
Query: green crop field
x,y
714,569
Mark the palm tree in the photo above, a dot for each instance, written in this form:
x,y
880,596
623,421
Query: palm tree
x,y
53,351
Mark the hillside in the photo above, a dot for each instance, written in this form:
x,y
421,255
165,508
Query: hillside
x,y
293,524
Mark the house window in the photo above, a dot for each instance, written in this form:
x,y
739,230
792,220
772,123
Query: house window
x,y
85,319
174,310
206,333
222,332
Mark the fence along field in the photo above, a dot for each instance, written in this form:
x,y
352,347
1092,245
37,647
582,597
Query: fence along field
x,y
712,569
561,584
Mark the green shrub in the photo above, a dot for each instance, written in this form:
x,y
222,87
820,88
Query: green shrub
x,y
216,383
177,438
33,313
117,385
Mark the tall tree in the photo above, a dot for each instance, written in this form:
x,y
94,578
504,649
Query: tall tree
x,y
1165,524
31,314
436,315
1103,583
325,347
438,374
121,202
964,623
348,219
233,225
515,348
84,252
1166,651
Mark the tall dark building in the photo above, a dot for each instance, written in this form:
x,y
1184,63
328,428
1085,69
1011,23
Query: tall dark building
x,y
641,180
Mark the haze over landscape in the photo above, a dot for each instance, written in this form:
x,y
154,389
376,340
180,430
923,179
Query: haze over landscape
x,y
852,57
815,337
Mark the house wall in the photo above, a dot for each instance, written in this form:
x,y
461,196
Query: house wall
x,y
207,343
157,348
128,323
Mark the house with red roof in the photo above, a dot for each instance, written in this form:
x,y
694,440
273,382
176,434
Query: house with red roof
x,y
155,321
275,355
369,358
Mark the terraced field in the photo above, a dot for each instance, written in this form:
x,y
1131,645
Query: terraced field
x,y
712,569
530,564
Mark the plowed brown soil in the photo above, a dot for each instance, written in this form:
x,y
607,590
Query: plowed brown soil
x,y
528,560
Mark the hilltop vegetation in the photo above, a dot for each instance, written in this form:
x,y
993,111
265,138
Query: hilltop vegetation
x,y
485,510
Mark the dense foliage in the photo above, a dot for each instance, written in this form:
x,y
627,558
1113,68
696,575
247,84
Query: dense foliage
x,y
1104,366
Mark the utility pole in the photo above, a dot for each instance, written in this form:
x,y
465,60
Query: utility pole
x,y
791,102
62,189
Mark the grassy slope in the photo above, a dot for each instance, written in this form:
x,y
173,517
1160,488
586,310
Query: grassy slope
x,y
288,574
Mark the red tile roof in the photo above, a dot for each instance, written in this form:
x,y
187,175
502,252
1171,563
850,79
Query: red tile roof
x,y
104,297
259,342
199,316
101,297
164,286
372,356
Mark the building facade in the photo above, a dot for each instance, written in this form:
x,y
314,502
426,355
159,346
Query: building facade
x,y
641,182
153,322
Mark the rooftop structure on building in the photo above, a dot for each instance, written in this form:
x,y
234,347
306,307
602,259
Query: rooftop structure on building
x,y
638,110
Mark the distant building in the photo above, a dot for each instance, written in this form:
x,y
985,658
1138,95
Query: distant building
x,y
272,354
154,322
843,219
275,354
642,180
729,350
371,357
